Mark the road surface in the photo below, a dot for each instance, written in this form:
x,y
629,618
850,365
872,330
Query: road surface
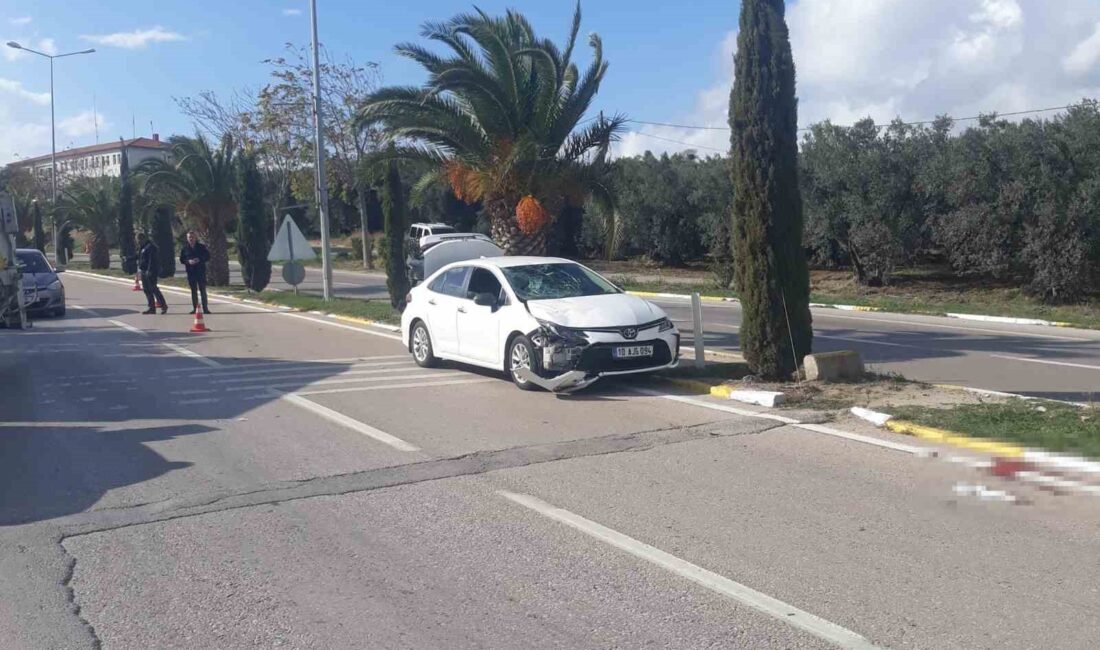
x,y
1057,363
292,481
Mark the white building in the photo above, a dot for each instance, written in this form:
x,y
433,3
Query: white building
x,y
96,160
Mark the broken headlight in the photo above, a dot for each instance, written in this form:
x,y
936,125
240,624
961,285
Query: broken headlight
x,y
561,346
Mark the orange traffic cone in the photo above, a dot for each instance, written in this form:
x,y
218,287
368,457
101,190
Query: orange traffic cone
x,y
199,326
137,283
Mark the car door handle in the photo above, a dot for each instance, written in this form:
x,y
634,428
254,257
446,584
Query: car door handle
x,y
462,310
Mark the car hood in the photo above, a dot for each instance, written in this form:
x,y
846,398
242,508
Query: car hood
x,y
610,310
40,280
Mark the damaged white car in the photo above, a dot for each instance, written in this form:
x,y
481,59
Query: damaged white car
x,y
546,322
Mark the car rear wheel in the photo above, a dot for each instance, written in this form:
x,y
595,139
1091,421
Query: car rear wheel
x,y
421,346
522,354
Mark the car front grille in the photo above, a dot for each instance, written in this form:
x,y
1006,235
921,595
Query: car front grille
x,y
598,357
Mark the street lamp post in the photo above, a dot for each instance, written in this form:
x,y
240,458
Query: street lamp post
x,y
53,145
319,162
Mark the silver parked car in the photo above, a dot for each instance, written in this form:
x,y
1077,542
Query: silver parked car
x,y
43,292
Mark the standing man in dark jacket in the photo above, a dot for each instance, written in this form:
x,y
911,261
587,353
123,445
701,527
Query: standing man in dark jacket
x,y
194,257
149,267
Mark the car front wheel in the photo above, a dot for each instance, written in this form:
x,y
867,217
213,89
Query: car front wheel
x,y
421,346
522,354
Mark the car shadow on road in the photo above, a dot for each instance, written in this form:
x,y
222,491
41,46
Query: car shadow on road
x,y
53,471
79,415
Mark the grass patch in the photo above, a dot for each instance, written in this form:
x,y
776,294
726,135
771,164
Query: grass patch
x,y
1046,425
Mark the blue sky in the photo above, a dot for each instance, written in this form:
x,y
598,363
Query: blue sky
x,y
669,61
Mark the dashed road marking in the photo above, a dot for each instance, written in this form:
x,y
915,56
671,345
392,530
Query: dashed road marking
x,y
192,354
351,423
719,584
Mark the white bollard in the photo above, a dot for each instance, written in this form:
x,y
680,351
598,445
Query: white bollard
x,y
697,321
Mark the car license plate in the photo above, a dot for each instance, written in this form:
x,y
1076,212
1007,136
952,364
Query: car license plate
x,y
633,351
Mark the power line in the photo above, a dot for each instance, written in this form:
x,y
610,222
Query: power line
x,y
686,144
880,126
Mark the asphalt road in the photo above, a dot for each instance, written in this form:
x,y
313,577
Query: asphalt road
x,y
1057,363
287,480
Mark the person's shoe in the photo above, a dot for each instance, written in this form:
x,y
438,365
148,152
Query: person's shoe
x,y
192,311
164,310
149,311
205,310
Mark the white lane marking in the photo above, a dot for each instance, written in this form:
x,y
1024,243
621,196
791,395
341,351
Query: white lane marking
x,y
329,382
719,584
209,400
232,369
353,424
1045,362
359,389
240,377
126,326
87,309
870,440
191,353
867,342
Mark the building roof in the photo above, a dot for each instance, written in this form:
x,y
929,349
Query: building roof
x,y
139,143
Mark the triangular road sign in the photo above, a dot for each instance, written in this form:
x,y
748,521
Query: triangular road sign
x,y
290,244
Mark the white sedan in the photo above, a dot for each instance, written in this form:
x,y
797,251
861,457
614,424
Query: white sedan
x,y
546,322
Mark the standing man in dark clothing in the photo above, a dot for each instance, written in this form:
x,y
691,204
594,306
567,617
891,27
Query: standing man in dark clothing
x,y
194,257
149,266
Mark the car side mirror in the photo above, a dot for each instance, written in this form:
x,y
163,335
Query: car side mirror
x,y
485,300
60,269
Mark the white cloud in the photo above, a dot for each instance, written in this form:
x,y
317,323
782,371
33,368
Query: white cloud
x,y
1085,56
137,39
292,12
889,58
82,124
22,21
10,87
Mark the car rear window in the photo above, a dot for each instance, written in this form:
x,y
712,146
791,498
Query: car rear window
x,y
451,282
442,230
558,280
32,262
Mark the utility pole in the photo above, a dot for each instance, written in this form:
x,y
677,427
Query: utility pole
x,y
57,257
319,161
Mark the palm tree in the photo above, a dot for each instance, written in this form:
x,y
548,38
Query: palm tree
x,y
498,122
92,204
199,179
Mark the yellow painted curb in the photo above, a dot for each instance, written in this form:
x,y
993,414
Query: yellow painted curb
x,y
864,308
931,434
644,294
362,321
722,391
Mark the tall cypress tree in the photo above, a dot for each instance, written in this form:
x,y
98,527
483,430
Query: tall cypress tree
x,y
771,272
252,237
164,240
126,216
393,210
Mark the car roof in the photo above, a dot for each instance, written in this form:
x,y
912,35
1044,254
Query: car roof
x,y
509,261
28,251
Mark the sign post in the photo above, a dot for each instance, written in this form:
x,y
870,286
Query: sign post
x,y
291,246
